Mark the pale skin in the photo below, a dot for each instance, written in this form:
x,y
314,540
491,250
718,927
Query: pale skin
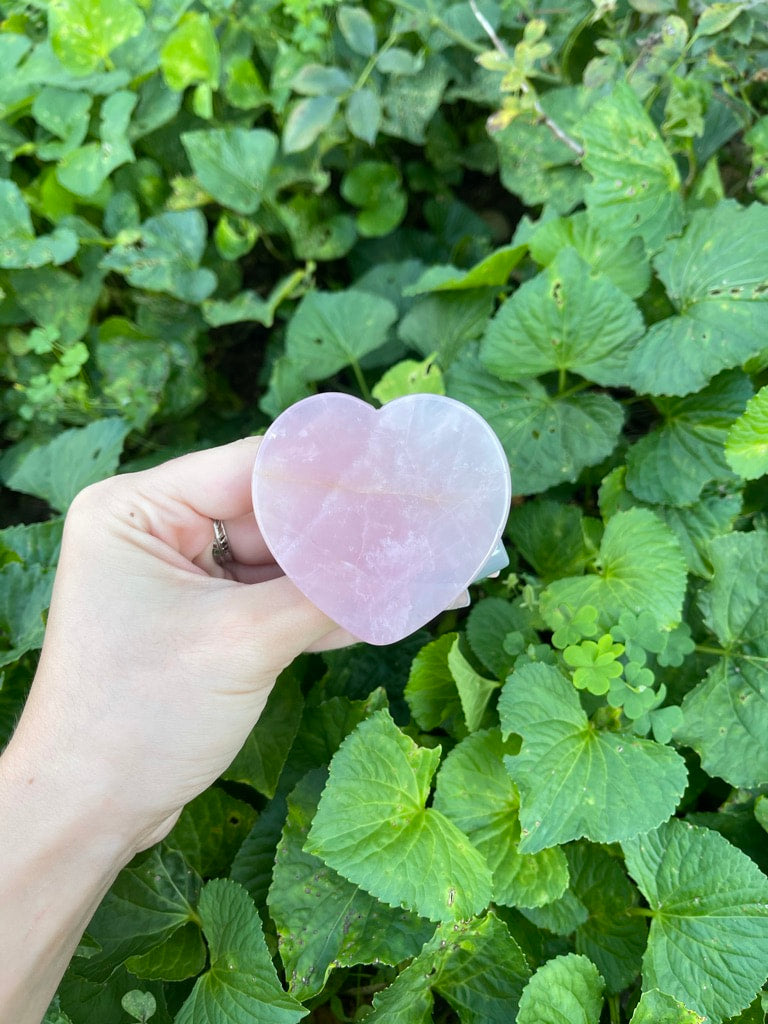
x,y
156,664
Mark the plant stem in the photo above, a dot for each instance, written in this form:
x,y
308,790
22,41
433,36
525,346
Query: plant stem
x,y
562,379
614,1010
361,382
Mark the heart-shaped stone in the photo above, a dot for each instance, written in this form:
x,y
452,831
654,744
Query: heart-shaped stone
x,y
381,517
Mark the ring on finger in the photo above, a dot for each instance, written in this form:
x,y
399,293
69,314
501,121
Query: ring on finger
x,y
221,551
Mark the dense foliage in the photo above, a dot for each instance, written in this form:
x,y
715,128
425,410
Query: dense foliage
x,y
555,214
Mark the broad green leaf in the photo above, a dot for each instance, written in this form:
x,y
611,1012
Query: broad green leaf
x,y
671,464
54,298
431,689
708,944
76,458
140,1005
372,827
563,916
19,246
491,272
635,188
445,321
133,368
25,593
612,936
317,228
232,164
363,114
190,54
658,1008
306,121
554,538
83,171
168,258
746,447
319,80
85,32
322,920
725,718
148,902
330,330
32,543
548,440
182,955
576,780
475,966
474,690
410,100
55,1015
375,187
715,276
488,624
537,166
640,565
409,377
241,984
626,266
88,1002
210,830
566,988
66,115
564,319
475,792
358,28
261,758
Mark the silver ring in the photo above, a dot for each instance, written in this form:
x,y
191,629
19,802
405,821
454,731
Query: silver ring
x,y
221,551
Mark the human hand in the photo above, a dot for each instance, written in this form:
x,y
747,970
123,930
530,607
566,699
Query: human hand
x,y
157,662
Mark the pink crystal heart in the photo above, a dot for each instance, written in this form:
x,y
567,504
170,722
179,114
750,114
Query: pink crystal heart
x,y
381,517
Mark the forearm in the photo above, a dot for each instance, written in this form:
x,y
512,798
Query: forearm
x,y
57,860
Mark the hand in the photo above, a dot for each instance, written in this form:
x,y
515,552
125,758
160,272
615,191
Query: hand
x,y
156,664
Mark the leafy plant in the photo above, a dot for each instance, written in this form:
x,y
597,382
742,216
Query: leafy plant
x,y
211,209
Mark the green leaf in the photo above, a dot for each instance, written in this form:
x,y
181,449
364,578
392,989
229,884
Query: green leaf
x,y
640,566
32,543
537,166
322,920
182,955
150,900
363,114
671,464
627,265
330,330
261,758
410,100
83,171
248,305
56,471
140,1005
409,377
210,830
596,663
190,54
566,988
475,792
306,121
25,593
358,28
431,689
56,299
658,1008
85,32
575,780
375,187
635,188
240,985
168,257
716,278
708,944
443,322
564,319
474,690
491,272
475,966
746,447
555,539
725,718
232,164
612,936
66,115
19,246
488,624
548,440
372,827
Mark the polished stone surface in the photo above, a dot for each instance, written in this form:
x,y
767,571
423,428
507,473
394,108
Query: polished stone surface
x,y
381,517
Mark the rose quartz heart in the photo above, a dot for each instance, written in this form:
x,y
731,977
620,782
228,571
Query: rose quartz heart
x,y
381,517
